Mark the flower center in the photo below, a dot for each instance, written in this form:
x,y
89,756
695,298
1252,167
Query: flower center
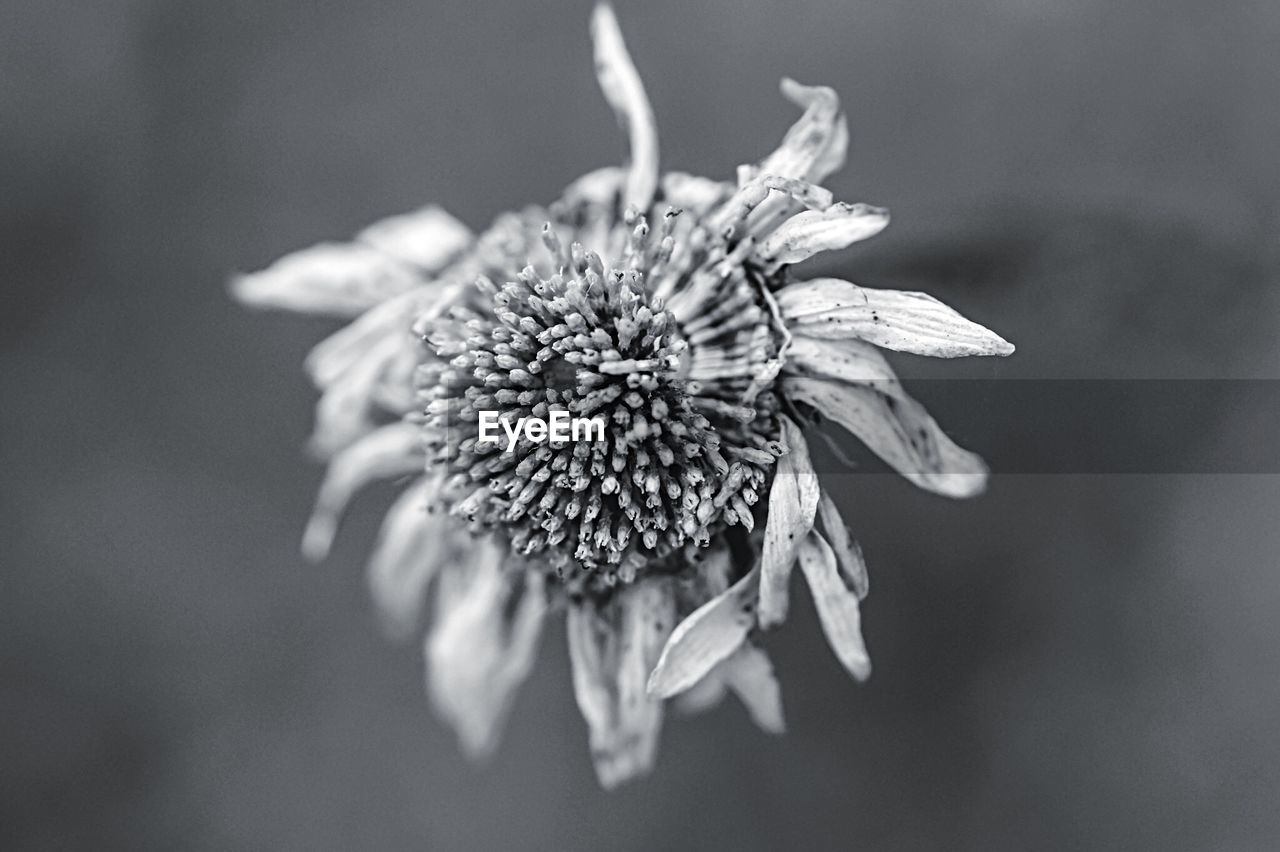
x,y
685,452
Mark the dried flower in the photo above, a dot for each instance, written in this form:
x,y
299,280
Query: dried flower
x,y
664,304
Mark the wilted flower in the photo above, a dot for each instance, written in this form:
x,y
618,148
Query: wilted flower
x,y
666,305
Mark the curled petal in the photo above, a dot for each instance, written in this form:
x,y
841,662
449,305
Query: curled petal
x,y
389,451
625,93
793,503
853,568
482,646
710,634
612,650
892,319
346,279
814,231
412,546
837,606
898,430
832,159
809,142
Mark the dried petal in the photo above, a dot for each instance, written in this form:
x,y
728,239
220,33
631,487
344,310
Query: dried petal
x,y
625,93
710,634
852,361
853,568
813,231
389,451
386,259
898,430
482,646
809,140
793,502
412,546
427,238
345,410
333,279
341,351
837,606
694,193
749,674
612,650
893,319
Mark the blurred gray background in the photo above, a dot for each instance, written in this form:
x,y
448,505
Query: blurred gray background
x,y
1070,662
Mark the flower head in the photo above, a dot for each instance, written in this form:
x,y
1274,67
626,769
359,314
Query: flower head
x,y
665,307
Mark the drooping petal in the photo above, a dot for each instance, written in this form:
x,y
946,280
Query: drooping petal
x,y
345,410
899,431
893,319
793,503
704,695
853,568
412,545
814,231
392,450
837,605
749,674
612,650
346,279
808,143
482,646
707,636
358,367
625,93
343,350
853,361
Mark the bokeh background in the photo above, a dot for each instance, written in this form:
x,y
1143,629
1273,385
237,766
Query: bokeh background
x,y
1073,661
